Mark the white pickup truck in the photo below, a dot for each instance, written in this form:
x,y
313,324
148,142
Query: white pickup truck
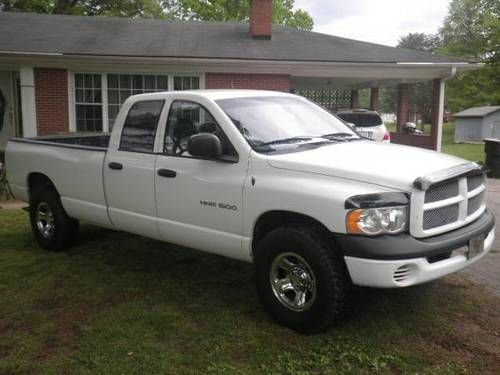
x,y
263,177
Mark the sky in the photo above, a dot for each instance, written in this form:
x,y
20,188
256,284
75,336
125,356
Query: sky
x,y
377,21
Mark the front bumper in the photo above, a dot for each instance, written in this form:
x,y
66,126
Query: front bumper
x,y
402,260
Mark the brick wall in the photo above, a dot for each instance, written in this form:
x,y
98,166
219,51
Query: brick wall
x,y
274,82
51,95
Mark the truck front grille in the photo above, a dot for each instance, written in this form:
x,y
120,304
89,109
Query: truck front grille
x,y
447,205
440,216
441,192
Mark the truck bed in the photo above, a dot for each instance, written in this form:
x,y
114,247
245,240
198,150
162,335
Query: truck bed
x,y
74,163
81,141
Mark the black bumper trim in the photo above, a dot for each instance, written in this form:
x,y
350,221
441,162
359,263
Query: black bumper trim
x,y
404,246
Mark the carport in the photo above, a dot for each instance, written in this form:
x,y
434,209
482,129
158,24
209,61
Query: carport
x,y
340,85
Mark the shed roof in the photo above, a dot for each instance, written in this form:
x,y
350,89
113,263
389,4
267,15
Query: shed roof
x,y
107,36
478,111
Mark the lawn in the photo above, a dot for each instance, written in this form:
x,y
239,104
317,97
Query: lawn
x,y
472,152
121,304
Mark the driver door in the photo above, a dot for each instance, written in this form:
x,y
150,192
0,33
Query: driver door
x,y
199,201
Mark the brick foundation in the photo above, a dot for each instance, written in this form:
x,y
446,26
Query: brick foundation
x,y
51,96
274,82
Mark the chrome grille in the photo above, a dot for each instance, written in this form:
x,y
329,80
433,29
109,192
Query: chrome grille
x,y
440,216
473,182
475,203
441,192
448,205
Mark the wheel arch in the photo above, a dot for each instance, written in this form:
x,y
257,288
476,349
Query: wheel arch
x,y
271,220
37,180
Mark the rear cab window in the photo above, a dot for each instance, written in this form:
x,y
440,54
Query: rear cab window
x,y
139,129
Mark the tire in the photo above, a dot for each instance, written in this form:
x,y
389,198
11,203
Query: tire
x,y
54,230
300,248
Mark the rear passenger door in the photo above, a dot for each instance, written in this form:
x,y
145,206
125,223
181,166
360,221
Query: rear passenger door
x,y
129,170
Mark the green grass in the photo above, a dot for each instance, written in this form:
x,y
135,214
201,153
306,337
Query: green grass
x,y
121,304
472,152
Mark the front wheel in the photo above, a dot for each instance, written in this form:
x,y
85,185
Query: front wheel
x,y
300,280
54,230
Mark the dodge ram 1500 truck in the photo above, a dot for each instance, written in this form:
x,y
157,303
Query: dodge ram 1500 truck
x,y
263,177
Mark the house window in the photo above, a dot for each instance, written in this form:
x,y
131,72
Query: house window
x,y
186,83
91,98
88,102
121,86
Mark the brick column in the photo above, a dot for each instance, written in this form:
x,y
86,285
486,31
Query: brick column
x,y
437,113
402,111
354,99
51,93
374,102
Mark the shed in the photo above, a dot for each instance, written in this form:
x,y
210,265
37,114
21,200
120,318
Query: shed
x,y
477,123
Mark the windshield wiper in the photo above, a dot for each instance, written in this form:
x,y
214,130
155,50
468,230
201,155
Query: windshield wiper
x,y
285,141
340,136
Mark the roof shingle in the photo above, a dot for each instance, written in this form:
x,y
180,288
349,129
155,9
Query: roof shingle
x,y
103,36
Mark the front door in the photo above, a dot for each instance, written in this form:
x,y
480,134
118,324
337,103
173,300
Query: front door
x,y
199,201
7,121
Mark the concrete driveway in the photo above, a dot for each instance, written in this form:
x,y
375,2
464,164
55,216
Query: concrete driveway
x,y
486,272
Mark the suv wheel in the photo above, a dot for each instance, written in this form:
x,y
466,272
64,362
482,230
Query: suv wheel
x,y
300,280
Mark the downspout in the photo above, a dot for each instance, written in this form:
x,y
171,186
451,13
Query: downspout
x,y
439,139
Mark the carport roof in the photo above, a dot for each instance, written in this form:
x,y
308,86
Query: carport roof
x,y
478,111
28,33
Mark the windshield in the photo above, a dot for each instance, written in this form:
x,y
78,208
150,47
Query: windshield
x,y
361,119
284,123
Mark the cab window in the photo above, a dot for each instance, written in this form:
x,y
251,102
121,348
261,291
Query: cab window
x,y
139,129
187,118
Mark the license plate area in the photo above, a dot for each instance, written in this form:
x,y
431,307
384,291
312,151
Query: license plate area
x,y
366,134
476,247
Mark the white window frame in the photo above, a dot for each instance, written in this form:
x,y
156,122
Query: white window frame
x,y
104,90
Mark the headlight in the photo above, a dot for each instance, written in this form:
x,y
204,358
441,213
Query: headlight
x,y
374,221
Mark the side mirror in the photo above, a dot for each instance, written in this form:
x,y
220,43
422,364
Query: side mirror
x,y
205,145
351,125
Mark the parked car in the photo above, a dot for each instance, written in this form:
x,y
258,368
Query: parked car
x,y
262,177
367,123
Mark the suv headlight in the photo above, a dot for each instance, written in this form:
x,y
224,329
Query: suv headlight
x,y
375,221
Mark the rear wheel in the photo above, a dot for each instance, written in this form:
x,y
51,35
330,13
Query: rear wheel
x,y
300,280
54,230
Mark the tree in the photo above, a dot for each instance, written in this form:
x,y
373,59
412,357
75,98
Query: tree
x,y
421,92
206,10
472,31
124,8
238,10
420,41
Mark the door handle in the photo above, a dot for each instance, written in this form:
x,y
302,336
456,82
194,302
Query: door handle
x,y
166,173
114,165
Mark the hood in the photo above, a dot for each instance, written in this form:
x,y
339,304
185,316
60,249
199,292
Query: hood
x,y
389,165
